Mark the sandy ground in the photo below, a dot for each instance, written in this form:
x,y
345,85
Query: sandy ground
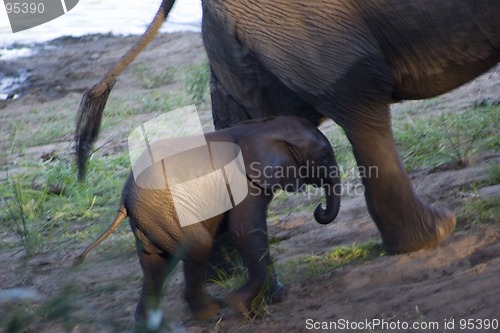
x,y
425,291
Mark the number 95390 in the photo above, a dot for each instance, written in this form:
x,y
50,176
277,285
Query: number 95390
x,y
478,324
24,7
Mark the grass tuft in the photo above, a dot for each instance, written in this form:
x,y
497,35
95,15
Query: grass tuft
x,y
481,211
18,215
478,209
494,174
197,82
312,265
447,136
40,207
236,278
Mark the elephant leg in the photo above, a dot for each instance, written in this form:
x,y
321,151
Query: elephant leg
x,y
199,245
255,256
277,291
248,228
201,305
222,260
155,270
226,111
405,222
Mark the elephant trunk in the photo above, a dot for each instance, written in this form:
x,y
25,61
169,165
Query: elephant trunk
x,y
333,192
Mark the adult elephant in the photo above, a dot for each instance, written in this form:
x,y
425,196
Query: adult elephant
x,y
346,60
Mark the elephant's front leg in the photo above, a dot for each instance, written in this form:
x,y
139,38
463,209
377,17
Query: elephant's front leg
x,y
405,222
254,252
247,226
202,306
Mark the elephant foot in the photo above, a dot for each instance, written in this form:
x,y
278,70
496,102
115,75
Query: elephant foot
x,y
205,310
240,302
248,300
426,233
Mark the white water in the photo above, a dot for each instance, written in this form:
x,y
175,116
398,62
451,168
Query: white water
x,y
121,17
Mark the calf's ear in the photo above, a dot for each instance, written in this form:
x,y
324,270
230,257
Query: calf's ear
x,y
271,163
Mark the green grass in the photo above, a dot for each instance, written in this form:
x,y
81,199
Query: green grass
x,y
343,151
18,215
235,279
312,265
148,78
123,110
478,210
195,79
197,82
42,220
481,211
54,121
494,174
44,124
447,136
426,142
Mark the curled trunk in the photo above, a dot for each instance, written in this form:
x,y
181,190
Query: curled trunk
x,y
333,192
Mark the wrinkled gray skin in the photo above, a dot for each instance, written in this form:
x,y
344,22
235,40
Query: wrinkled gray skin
x,y
348,60
280,142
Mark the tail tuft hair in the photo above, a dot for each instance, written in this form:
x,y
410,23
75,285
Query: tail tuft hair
x,y
88,124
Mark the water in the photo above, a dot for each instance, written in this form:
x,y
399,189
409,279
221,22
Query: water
x,y
120,17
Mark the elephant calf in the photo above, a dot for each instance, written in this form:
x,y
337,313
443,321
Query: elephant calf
x,y
281,152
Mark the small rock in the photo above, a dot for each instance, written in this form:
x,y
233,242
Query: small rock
x,y
56,189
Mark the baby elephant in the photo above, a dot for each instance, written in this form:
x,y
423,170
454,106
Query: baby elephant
x,y
278,153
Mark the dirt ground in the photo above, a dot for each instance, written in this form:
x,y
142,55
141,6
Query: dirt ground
x,y
435,290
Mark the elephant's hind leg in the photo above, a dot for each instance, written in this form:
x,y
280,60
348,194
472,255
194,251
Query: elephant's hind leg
x,y
405,222
195,262
155,269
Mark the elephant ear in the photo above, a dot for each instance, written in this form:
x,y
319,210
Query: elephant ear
x,y
272,163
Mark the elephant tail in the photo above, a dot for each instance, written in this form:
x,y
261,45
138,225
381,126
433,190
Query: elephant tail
x,y
122,215
94,99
